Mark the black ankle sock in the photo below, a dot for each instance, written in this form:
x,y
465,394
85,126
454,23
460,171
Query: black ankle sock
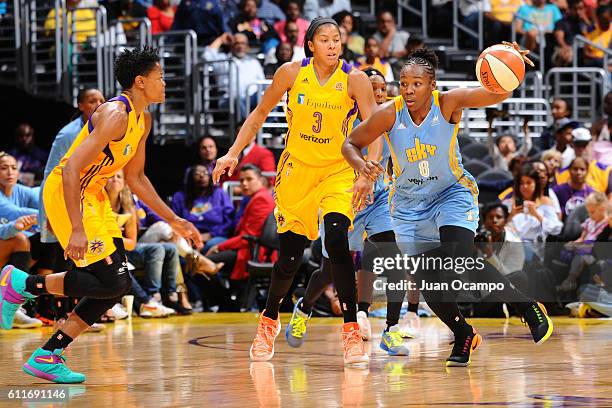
x,y
35,284
272,306
59,340
521,307
21,260
413,307
304,308
363,307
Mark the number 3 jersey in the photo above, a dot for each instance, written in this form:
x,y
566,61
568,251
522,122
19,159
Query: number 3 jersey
x,y
426,158
319,116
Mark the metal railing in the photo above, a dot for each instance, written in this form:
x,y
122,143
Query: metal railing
x,y
458,26
584,87
216,103
579,39
420,13
11,70
178,55
539,56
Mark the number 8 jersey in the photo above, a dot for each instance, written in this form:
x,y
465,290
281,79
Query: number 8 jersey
x,y
426,158
319,116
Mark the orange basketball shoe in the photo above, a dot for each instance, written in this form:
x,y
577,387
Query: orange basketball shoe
x,y
262,348
354,352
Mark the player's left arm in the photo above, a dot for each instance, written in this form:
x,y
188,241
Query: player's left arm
x,y
141,185
360,89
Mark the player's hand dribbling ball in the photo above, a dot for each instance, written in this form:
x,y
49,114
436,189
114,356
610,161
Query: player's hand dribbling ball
x,y
501,68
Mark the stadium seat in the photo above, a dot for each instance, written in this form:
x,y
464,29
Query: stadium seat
x,y
476,167
464,140
260,271
494,174
475,150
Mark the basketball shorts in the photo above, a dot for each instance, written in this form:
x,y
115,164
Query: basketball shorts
x,y
98,219
302,192
372,220
417,220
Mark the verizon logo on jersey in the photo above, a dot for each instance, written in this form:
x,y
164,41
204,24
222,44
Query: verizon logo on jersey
x,y
420,151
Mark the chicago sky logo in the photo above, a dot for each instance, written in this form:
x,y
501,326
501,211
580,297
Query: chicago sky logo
x,y
420,151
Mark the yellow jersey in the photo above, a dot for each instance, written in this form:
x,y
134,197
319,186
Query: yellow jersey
x,y
115,155
319,116
598,176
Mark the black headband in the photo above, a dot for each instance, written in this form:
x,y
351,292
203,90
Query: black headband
x,y
312,28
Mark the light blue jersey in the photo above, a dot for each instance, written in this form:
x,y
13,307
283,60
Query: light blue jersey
x,y
431,188
426,158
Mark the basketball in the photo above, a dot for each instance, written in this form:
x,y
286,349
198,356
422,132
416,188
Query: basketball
x,y
500,69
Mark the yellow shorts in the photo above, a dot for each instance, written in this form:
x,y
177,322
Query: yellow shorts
x,y
301,191
98,219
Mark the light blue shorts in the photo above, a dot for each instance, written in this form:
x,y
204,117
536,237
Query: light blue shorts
x,y
417,220
372,220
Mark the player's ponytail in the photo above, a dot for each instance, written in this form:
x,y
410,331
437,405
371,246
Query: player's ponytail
x,y
317,23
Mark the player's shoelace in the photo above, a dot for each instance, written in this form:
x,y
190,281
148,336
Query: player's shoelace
x,y
459,348
265,336
298,326
395,338
538,315
353,343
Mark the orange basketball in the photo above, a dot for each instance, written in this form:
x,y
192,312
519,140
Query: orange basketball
x,y
500,69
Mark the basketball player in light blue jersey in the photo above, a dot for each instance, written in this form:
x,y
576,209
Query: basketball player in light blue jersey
x,y
375,221
435,200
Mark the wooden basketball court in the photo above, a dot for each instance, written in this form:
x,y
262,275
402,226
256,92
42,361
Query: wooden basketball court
x,y
203,361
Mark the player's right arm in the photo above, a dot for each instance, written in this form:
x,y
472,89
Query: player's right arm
x,y
283,80
110,123
369,130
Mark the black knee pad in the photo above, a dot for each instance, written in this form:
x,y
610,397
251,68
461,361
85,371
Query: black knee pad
x,y
336,237
114,274
288,263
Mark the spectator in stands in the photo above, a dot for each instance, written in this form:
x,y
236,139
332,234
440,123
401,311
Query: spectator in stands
x,y
498,21
291,33
560,109
600,34
160,261
535,19
161,14
552,160
502,247
545,182
563,140
260,34
532,215
84,21
283,53
503,149
601,129
248,70
469,17
372,59
207,152
31,159
574,23
259,156
356,42
392,41
205,17
236,252
573,193
18,225
294,14
324,8
347,55
581,250
269,12
206,205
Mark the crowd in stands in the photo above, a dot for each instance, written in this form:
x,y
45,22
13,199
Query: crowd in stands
x,y
555,188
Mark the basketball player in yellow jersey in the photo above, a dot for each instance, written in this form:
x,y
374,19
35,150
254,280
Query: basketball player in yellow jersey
x,y
323,95
79,212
